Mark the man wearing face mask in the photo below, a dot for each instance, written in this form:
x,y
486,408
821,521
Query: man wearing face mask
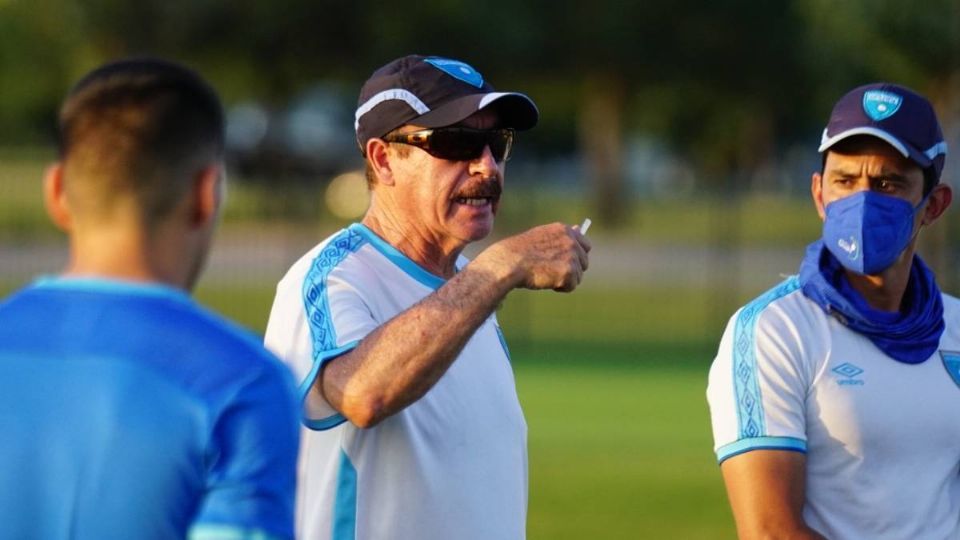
x,y
833,394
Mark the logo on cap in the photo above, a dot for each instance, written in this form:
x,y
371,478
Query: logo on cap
x,y
457,70
880,105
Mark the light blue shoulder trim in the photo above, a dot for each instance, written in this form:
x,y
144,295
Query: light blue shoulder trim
x,y
317,309
345,506
746,386
112,286
314,289
395,256
228,532
792,444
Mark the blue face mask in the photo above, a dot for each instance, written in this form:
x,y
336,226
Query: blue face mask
x,y
867,231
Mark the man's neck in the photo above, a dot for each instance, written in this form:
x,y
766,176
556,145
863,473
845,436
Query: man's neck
x,y
884,291
429,253
125,255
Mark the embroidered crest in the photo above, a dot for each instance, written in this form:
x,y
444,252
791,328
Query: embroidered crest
x,y
951,361
457,70
880,105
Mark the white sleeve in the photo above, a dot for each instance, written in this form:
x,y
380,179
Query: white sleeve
x,y
317,315
758,383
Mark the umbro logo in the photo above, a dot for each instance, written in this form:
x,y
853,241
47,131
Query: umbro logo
x,y
848,374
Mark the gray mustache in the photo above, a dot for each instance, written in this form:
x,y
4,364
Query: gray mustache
x,y
483,190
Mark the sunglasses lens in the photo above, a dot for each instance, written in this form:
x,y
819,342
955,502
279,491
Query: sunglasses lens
x,y
458,143
463,144
500,142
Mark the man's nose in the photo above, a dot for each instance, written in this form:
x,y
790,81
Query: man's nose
x,y
485,165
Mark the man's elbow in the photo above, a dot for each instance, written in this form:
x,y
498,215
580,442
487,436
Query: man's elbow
x,y
362,405
364,412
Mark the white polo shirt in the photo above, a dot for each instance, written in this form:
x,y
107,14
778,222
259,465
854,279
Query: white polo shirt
x,y
451,465
881,437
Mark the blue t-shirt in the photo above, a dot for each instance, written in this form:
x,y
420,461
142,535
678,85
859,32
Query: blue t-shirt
x,y
127,411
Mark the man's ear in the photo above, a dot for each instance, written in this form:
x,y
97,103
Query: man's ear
x,y
937,203
55,198
379,158
207,194
816,191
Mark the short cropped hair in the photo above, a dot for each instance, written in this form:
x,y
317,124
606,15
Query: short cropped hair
x,y
139,129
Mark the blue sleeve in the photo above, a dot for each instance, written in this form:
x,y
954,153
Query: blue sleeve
x,y
251,467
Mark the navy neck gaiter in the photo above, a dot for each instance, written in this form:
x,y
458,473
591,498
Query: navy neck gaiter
x,y
910,336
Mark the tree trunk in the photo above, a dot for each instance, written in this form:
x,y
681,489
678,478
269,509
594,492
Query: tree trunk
x,y
939,243
600,131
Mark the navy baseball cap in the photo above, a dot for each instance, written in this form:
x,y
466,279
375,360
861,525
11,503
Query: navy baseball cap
x,y
897,115
432,92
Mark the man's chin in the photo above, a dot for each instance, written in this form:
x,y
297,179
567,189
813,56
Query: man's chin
x,y
477,231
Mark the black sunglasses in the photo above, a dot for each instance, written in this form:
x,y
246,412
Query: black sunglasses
x,y
458,143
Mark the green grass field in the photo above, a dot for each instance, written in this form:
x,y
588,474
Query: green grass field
x,y
620,444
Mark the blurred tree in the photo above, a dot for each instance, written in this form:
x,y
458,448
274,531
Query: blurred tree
x,y
36,51
709,76
725,82
918,45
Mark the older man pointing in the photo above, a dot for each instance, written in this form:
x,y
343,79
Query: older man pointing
x,y
416,431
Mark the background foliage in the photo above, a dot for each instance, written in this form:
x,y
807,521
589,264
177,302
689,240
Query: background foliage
x,y
686,129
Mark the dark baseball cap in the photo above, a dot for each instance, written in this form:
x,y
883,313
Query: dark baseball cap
x,y
432,92
897,115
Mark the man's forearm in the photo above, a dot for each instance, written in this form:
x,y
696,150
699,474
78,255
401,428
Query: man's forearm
x,y
399,362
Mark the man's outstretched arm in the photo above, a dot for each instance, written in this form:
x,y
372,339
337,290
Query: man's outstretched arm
x,y
399,362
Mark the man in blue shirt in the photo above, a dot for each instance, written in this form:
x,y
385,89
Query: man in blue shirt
x,y
126,410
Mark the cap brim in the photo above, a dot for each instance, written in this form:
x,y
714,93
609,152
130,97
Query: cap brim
x,y
907,151
515,110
